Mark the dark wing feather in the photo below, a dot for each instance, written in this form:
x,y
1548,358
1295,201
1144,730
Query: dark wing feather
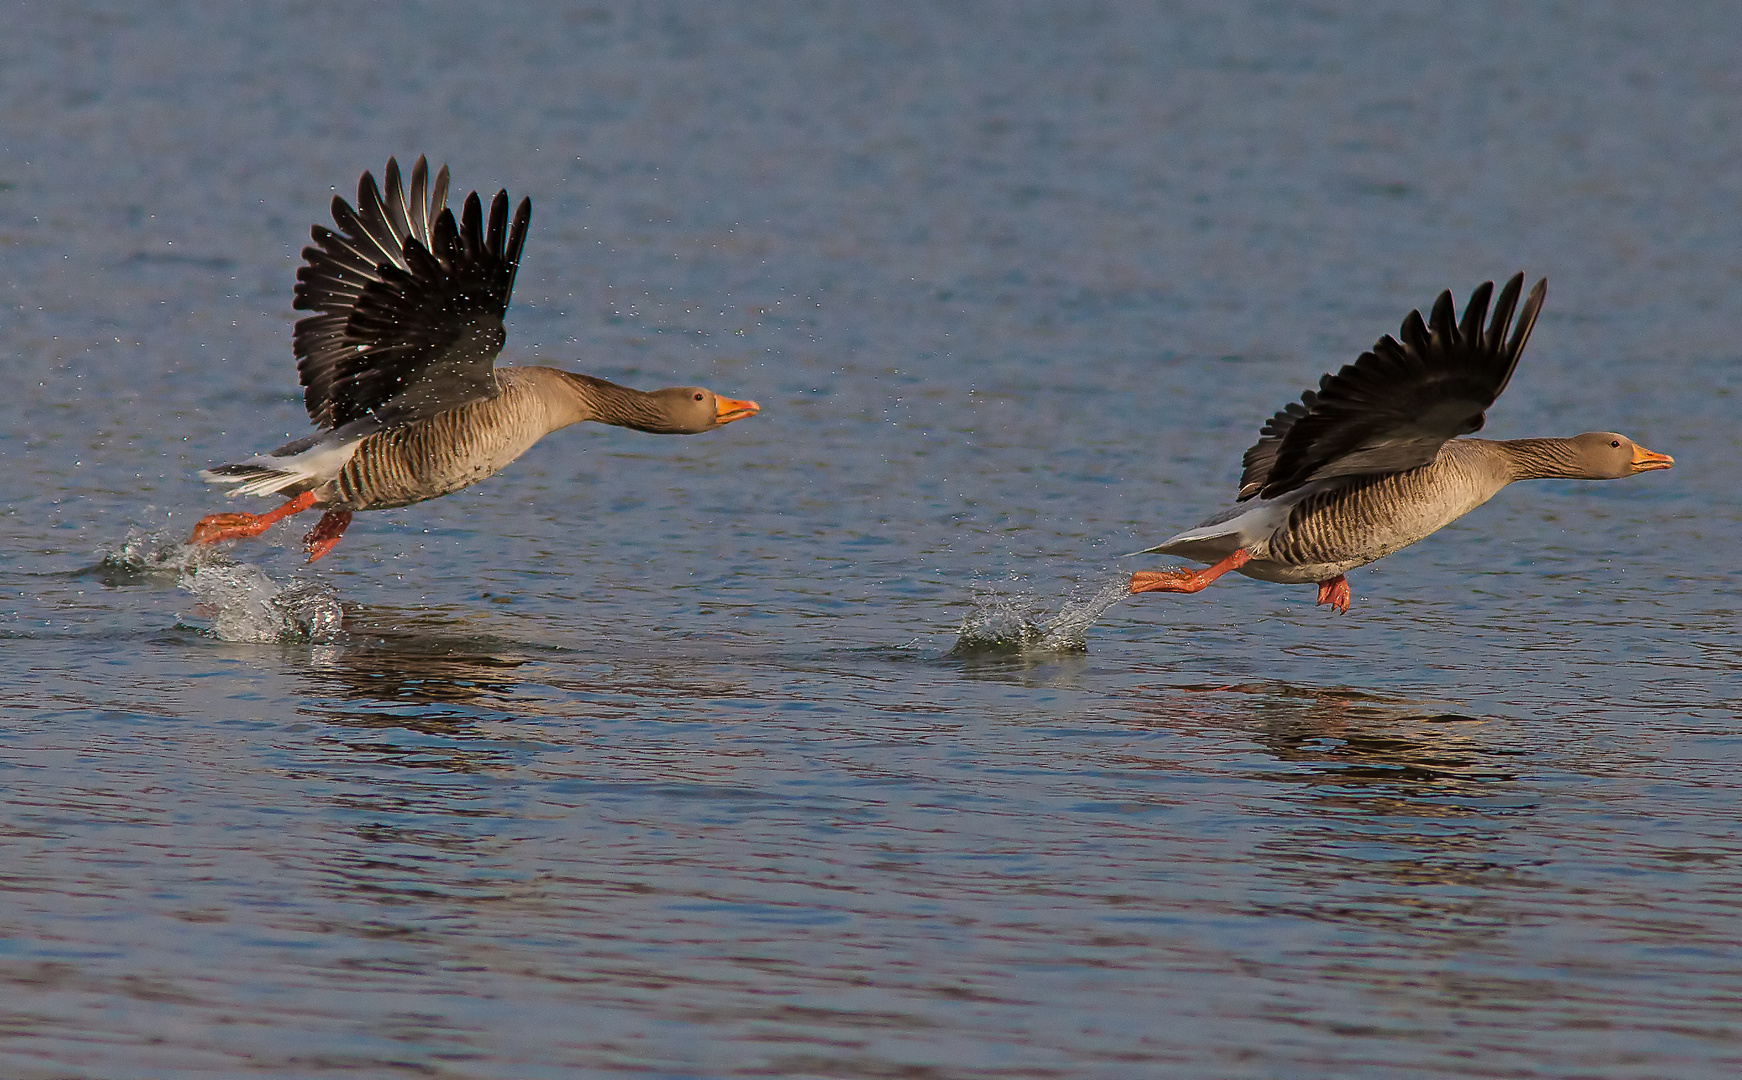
x,y
1261,459
1392,409
408,303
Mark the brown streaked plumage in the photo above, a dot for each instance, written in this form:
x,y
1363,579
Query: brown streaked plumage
x,y
398,366
1369,463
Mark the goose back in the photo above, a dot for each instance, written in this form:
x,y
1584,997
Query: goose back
x,y
1347,523
441,454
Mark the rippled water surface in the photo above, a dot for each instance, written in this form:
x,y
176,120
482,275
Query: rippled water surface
x,y
824,744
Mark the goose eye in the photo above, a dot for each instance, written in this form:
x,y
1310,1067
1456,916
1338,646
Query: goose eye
x,y
699,397
1616,443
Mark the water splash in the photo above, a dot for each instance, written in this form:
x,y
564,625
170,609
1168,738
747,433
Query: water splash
x,y
1000,624
244,604
241,601
144,554
1069,629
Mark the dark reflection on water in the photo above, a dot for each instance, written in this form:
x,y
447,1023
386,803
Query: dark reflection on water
x,y
1041,668
419,658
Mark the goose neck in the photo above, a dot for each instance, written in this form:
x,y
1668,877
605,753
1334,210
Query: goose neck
x,y
1542,459
608,403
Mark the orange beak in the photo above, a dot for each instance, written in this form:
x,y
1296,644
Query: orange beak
x,y
1645,461
728,409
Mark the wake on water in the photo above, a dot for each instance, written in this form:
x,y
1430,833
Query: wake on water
x,y
241,601
1001,625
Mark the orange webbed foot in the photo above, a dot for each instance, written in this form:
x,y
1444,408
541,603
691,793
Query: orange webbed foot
x,y
215,527
326,533
1163,581
1335,592
1187,581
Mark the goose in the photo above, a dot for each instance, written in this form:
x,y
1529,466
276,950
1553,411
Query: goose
x,y
397,365
1370,462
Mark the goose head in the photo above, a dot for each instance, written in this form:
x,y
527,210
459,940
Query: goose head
x,y
1604,455
690,410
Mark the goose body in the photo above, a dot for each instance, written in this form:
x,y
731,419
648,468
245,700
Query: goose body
x,y
398,366
1370,463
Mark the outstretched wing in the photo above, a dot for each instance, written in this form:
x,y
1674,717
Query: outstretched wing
x,y
408,302
1393,408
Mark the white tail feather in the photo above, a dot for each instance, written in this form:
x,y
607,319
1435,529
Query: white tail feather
x,y
307,467
261,482
1237,526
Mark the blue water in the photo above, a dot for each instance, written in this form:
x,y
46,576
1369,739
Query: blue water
x,y
817,745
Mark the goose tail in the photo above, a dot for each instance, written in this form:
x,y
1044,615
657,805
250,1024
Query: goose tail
x,y
1236,527
292,469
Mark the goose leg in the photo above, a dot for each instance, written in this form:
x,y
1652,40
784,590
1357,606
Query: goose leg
x,y
326,533
215,527
1335,592
1187,581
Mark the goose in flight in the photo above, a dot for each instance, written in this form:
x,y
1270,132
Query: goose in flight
x,y
397,365
1370,462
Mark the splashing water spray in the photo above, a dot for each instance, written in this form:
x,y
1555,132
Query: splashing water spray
x,y
999,624
241,601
